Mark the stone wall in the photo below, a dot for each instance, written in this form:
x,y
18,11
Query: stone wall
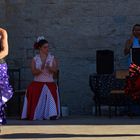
x,y
75,29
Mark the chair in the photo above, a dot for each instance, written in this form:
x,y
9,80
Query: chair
x,y
56,77
117,94
14,104
101,85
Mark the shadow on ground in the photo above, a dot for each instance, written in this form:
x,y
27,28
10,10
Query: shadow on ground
x,y
80,120
39,135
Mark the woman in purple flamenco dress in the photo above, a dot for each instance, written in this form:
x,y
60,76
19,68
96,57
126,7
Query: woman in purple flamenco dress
x,y
5,88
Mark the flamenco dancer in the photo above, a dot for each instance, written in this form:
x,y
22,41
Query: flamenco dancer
x,y
42,97
5,89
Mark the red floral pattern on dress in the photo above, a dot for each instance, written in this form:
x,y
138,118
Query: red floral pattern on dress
x,y
132,87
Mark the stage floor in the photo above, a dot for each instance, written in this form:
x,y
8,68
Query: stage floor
x,y
74,128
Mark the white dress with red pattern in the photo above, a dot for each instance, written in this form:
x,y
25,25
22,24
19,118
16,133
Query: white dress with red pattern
x,y
42,98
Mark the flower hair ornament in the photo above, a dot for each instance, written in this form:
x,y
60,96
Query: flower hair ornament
x,y
40,38
36,44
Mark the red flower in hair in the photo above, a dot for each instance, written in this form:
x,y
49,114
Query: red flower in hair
x,y
36,46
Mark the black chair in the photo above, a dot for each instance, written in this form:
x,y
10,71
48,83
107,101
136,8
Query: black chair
x,y
14,104
57,80
118,98
101,85
56,77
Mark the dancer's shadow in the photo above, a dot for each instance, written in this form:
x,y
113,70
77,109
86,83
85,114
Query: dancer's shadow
x,y
41,135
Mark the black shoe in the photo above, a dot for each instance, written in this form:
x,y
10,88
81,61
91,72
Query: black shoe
x,y
53,118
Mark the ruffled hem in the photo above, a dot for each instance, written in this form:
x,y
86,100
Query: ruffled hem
x,y
6,91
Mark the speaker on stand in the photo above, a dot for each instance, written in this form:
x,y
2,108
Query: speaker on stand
x,y
104,62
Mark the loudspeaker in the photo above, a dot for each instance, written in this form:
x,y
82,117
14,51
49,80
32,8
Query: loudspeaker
x,y
136,56
104,62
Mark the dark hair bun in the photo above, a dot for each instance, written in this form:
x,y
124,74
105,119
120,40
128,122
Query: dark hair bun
x,y
39,44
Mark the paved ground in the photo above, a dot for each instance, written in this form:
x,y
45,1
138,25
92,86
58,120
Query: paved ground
x,y
74,128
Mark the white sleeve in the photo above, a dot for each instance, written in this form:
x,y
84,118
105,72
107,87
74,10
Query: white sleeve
x,y
50,60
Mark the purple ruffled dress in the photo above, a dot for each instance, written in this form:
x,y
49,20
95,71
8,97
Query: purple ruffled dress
x,y
6,91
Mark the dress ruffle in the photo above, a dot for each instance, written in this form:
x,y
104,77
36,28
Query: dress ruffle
x,y
6,91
